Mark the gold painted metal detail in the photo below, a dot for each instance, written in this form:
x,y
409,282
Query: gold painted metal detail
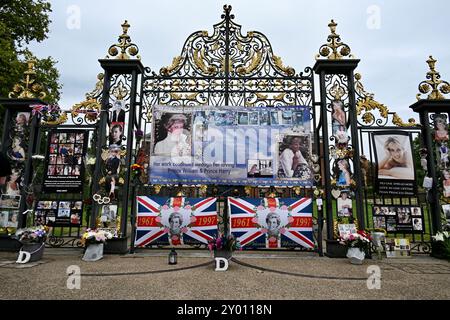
x,y
28,88
200,61
157,188
120,91
399,122
279,64
124,48
337,91
254,63
90,107
176,62
434,83
334,49
98,87
366,103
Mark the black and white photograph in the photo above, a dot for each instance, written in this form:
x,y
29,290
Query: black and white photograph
x,y
379,222
108,215
293,154
394,162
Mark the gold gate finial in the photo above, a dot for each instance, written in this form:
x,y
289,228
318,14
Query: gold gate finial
x,y
28,89
334,49
126,47
434,83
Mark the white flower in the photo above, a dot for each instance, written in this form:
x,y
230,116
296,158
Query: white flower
x,y
438,237
91,161
38,157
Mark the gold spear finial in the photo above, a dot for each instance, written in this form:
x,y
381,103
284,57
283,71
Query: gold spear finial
x,y
434,84
334,49
124,48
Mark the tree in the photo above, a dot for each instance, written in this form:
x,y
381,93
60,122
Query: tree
x,y
21,22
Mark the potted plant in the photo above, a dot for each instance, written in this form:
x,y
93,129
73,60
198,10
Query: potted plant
x,y
33,241
93,240
357,244
223,246
440,246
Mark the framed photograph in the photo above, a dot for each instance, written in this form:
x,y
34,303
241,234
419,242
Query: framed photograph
x,y
395,172
243,118
344,205
9,201
440,127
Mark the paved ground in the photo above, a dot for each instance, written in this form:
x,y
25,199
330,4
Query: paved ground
x,y
303,276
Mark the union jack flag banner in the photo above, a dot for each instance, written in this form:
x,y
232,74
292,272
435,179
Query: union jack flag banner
x,y
271,222
175,221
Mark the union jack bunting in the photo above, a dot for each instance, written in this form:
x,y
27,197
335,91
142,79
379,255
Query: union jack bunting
x,y
175,221
271,222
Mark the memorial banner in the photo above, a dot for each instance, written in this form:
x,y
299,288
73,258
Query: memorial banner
x,y
65,161
394,162
272,222
231,145
175,221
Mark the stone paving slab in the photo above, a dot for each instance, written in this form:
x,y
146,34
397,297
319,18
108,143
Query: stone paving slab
x,y
148,276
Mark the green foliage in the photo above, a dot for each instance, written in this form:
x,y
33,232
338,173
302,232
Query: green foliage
x,y
21,22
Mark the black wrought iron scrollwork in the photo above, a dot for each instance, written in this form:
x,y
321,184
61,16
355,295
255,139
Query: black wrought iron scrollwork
x,y
249,73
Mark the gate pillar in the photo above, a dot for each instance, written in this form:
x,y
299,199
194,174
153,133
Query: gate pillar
x,y
122,80
433,109
337,90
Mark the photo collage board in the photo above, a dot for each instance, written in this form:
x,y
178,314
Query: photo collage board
x,y
11,190
399,219
65,161
59,213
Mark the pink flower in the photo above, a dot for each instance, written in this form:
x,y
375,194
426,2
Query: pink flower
x,y
272,239
254,220
158,219
193,219
166,230
282,230
291,219
260,208
188,207
165,207
176,209
175,238
273,209
263,230
284,208
184,229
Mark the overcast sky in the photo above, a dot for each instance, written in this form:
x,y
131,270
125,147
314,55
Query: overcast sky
x,y
393,38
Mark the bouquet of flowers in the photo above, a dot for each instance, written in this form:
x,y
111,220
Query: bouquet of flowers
x,y
92,236
32,235
226,243
440,247
360,239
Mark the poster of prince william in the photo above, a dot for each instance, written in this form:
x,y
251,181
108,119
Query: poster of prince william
x,y
231,146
